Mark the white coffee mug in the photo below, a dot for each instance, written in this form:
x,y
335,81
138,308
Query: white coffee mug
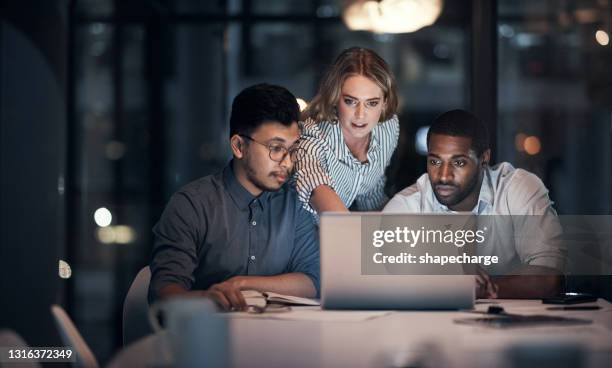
x,y
196,332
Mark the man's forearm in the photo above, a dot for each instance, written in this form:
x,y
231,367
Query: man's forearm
x,y
297,284
530,282
170,290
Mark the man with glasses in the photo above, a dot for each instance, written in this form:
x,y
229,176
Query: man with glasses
x,y
242,228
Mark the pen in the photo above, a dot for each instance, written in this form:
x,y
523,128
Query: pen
x,y
576,307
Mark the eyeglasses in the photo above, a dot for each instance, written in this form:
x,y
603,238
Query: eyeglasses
x,y
278,152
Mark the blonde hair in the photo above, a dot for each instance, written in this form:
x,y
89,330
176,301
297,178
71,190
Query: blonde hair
x,y
352,61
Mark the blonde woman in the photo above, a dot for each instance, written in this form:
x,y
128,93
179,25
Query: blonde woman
x,y
349,135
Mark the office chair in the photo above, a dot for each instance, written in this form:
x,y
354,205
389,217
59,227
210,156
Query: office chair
x,y
136,308
10,338
71,337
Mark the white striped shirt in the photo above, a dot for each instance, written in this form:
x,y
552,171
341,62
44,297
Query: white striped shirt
x,y
328,161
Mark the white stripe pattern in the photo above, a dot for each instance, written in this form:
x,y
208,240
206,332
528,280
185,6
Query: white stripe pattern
x,y
328,161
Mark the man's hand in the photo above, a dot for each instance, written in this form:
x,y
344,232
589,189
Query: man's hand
x,y
486,288
227,294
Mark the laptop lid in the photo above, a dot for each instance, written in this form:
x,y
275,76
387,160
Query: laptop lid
x,y
345,285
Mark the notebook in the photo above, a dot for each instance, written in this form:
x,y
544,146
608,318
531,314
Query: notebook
x,y
259,299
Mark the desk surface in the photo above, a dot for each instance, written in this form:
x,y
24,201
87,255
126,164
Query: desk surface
x,y
336,339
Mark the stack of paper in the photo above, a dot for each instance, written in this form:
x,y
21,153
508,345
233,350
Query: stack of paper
x,y
288,299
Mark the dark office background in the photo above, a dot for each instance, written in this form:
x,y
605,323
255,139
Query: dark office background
x,y
116,104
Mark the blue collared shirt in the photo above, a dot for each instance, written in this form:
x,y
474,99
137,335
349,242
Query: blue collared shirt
x,y
213,229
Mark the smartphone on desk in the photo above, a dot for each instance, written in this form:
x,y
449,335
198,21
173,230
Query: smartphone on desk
x,y
570,298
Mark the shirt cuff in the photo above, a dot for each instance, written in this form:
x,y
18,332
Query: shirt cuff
x,y
556,263
305,187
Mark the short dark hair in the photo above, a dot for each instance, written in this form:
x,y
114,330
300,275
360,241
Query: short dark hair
x,y
260,103
461,123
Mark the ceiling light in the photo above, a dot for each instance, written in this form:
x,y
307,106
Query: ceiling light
x,y
391,16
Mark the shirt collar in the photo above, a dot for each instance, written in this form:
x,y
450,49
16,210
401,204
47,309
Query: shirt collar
x,y
485,198
241,197
341,149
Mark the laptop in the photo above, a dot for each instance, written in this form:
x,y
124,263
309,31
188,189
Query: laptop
x,y
344,286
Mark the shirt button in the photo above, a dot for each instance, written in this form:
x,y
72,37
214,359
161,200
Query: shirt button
x,y
254,223
252,258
